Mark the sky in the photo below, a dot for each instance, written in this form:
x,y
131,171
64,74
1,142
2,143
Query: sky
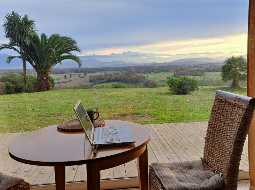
x,y
168,29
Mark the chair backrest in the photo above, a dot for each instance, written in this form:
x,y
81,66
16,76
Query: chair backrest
x,y
227,129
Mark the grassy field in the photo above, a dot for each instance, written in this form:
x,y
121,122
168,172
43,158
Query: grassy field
x,y
160,77
207,79
26,112
78,80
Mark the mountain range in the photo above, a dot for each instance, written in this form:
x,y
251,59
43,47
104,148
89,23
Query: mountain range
x,y
116,60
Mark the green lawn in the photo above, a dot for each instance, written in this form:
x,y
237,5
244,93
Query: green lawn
x,y
25,112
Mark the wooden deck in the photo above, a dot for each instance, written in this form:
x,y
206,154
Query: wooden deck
x,y
169,143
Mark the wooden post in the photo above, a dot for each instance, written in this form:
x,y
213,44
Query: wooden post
x,y
251,88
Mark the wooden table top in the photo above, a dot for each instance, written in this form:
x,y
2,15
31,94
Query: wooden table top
x,y
49,147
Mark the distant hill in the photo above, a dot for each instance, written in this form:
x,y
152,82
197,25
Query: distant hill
x,y
179,66
99,62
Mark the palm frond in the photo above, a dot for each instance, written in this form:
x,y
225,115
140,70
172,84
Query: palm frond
x,y
18,28
9,46
70,57
10,58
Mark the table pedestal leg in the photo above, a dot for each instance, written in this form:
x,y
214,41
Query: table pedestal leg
x,y
143,170
93,177
60,177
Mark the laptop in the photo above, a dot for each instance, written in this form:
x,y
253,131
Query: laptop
x,y
108,135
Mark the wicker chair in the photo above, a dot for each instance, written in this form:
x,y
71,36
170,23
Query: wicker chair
x,y
12,183
218,169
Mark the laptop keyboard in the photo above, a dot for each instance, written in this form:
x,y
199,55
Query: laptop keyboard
x,y
110,135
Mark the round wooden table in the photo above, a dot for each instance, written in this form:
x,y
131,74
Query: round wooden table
x,y
49,147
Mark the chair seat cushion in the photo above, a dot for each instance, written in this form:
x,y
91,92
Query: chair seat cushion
x,y
9,182
183,176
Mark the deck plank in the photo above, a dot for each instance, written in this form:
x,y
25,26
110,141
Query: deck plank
x,y
169,143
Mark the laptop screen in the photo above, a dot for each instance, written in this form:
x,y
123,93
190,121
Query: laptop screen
x,y
84,119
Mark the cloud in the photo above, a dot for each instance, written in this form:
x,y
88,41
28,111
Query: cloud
x,y
214,47
111,23
159,30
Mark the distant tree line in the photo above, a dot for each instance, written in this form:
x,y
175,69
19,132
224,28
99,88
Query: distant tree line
x,y
186,72
126,77
188,69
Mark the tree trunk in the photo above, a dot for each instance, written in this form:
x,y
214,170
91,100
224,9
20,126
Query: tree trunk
x,y
235,83
25,73
43,82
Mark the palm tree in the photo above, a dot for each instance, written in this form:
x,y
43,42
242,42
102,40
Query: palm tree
x,y
45,52
18,30
234,69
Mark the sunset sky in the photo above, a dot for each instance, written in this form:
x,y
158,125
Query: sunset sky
x,y
168,29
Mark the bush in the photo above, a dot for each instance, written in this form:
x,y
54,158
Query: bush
x,y
52,82
9,88
2,86
31,84
182,85
14,83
